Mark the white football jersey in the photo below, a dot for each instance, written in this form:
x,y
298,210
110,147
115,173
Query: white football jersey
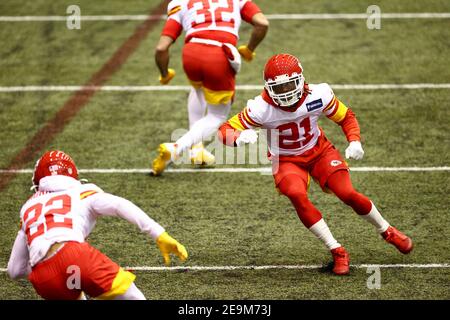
x,y
202,15
291,132
66,210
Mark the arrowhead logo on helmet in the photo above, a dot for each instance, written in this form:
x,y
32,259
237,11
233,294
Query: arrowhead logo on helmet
x,y
52,163
284,81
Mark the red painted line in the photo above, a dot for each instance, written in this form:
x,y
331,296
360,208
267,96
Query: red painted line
x,y
80,98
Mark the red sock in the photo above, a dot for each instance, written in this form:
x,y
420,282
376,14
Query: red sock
x,y
294,188
340,183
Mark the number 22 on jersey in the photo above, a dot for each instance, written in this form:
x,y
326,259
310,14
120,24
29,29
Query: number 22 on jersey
x,y
40,217
206,15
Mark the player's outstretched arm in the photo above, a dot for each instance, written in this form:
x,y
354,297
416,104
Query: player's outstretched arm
x,y
260,28
162,59
110,205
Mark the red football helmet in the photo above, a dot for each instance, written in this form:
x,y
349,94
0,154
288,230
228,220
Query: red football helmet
x,y
284,80
53,163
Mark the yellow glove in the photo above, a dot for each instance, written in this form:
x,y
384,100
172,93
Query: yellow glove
x,y
246,53
166,79
168,245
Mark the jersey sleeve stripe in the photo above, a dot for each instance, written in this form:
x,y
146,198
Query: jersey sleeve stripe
x,y
86,194
242,121
249,119
174,10
236,123
339,112
332,109
246,118
332,102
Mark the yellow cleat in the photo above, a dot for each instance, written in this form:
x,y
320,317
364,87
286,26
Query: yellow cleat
x,y
201,156
166,156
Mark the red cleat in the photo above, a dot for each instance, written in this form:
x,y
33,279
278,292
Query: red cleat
x,y
402,242
341,261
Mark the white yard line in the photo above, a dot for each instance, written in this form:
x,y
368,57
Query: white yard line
x,y
241,169
83,18
277,267
358,16
311,16
57,88
291,267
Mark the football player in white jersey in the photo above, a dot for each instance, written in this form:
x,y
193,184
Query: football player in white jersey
x,y
210,61
289,109
50,247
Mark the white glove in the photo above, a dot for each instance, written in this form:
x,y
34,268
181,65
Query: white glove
x,y
354,151
247,136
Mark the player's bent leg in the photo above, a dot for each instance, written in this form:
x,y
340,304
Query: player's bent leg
x,y
119,286
196,105
199,155
56,278
340,183
133,293
197,110
102,278
51,283
205,127
201,130
295,188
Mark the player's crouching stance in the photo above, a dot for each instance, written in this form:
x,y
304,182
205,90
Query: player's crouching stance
x,y
50,247
289,109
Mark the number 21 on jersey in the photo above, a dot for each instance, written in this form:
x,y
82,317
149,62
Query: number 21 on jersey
x,y
290,137
43,216
208,12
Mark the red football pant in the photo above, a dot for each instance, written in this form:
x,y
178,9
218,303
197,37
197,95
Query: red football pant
x,y
208,65
97,272
341,185
295,179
